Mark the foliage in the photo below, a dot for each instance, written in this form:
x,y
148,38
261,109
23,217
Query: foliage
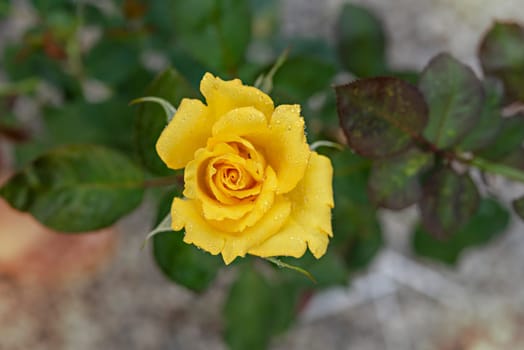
x,y
417,137
94,185
414,138
490,220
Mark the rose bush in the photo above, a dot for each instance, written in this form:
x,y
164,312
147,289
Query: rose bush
x,y
252,185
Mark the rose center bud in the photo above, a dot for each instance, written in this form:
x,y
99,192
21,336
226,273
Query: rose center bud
x,y
232,178
235,175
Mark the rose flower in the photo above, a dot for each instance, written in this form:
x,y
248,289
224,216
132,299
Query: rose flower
x,y
252,185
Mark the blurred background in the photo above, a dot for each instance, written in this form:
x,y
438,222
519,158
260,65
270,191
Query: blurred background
x,y
101,291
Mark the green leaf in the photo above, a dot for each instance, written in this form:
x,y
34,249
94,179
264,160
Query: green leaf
x,y
394,182
300,77
76,188
257,308
509,139
501,55
151,119
249,312
250,72
264,81
351,173
490,221
518,206
448,202
286,297
514,159
159,19
184,263
62,21
322,121
361,42
216,32
309,47
454,96
110,65
188,66
330,270
93,14
22,87
410,76
46,7
490,122
165,202
4,10
381,116
23,61
327,271
306,79
134,83
362,247
108,123
357,235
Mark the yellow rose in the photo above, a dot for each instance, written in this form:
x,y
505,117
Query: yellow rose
x,y
252,185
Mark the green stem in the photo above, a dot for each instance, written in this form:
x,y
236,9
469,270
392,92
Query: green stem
x,y
282,264
509,172
19,87
74,53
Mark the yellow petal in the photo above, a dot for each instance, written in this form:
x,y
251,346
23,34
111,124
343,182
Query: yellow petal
x,y
269,225
289,241
196,188
223,96
317,245
214,176
282,139
255,162
313,197
241,194
310,219
186,213
186,132
215,211
292,240
289,152
240,122
262,205
285,146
